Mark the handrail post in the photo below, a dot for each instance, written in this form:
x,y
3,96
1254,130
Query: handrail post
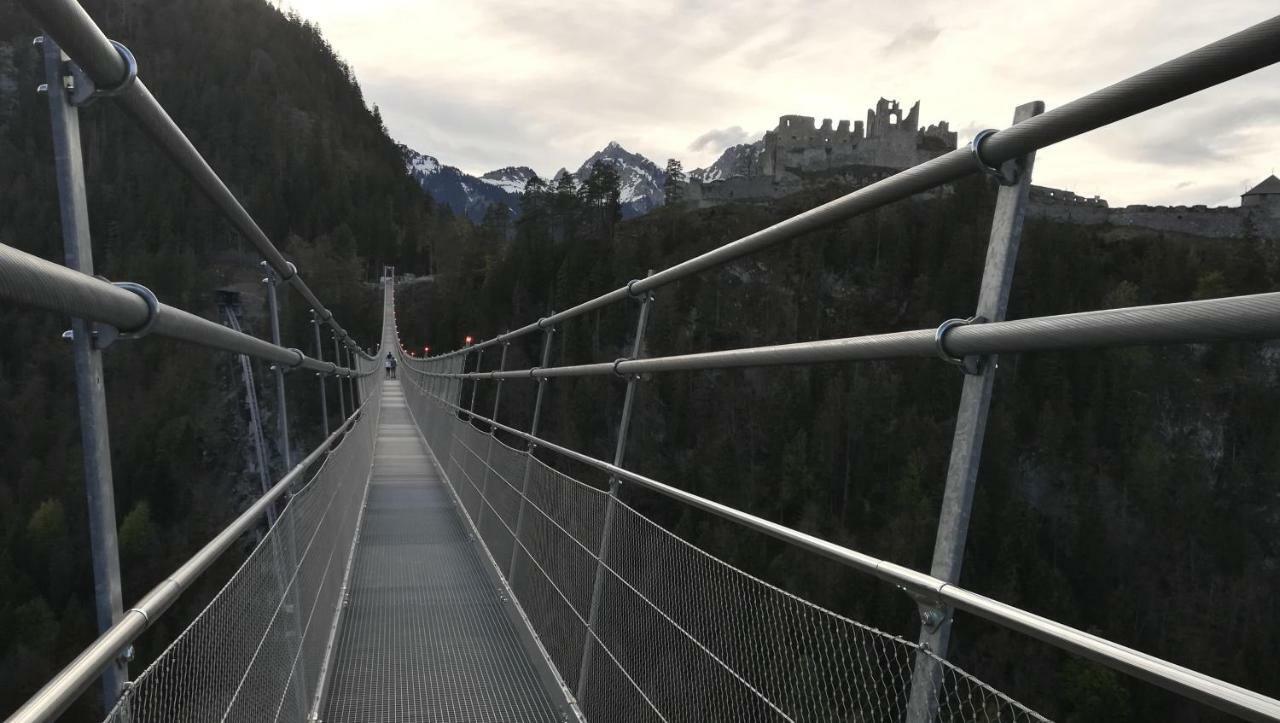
x,y
324,400
337,359
475,383
971,424
353,382
282,410
95,439
547,333
493,434
624,425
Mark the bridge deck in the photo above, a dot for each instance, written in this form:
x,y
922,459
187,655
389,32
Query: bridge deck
x,y
425,636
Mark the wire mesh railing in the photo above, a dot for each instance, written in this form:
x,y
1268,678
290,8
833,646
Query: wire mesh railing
x,y
681,635
255,652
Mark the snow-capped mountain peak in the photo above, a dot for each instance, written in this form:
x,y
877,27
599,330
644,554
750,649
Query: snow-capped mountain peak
x,y
511,179
419,164
640,180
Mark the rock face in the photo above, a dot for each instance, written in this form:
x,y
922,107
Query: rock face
x,y
744,159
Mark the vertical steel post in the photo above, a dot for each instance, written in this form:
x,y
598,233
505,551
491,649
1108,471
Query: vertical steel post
x,y
475,383
547,333
971,425
493,433
282,410
619,452
352,386
342,397
90,391
324,401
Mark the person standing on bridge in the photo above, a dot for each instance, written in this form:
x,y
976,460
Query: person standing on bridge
x,y
391,366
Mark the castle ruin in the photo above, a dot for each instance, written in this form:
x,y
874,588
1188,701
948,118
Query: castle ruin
x,y
1258,212
888,140
799,150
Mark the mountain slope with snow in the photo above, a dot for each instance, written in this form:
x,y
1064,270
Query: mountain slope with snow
x,y
639,179
462,192
640,182
741,160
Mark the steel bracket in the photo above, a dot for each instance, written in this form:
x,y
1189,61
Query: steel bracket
x,y
83,91
104,335
933,612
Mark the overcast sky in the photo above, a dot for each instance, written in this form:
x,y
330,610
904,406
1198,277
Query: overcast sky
x,y
482,84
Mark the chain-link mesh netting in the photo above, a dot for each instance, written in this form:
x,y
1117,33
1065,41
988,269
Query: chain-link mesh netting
x,y
678,634
256,652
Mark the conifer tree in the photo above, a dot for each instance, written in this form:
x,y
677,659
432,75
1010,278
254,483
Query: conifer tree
x,y
674,182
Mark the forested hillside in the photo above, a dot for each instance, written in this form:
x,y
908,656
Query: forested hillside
x,y
280,117
1128,492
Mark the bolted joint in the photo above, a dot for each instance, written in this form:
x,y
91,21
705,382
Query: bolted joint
x,y
84,91
931,618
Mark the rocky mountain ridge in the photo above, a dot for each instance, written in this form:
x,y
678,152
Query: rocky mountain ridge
x,y
641,180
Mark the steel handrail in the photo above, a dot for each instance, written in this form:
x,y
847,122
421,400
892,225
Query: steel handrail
x,y
1255,316
32,281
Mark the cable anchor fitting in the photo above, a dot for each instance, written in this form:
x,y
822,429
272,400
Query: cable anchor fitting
x,y
997,172
84,91
971,364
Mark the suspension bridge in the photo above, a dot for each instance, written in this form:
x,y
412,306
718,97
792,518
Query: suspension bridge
x,y
428,562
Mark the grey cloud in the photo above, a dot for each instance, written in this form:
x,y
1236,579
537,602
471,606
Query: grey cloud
x,y
916,35
1198,130
718,138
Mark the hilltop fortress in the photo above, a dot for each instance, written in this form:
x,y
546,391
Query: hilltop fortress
x,y
1258,213
888,140
800,152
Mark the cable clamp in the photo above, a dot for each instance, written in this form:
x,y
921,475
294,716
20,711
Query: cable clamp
x,y
968,364
621,375
998,173
642,295
84,91
542,322
301,358
293,271
103,336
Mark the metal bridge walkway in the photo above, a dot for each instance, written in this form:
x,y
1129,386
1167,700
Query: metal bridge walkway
x,y
425,635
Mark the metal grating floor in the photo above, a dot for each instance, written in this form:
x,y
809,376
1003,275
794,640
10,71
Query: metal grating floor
x,y
424,636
